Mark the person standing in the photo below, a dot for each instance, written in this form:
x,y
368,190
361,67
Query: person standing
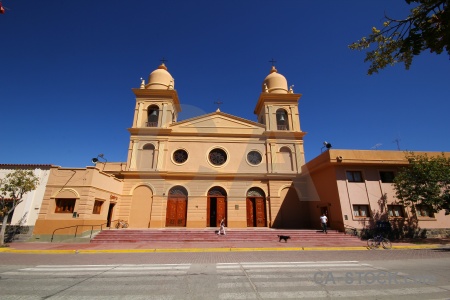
x,y
222,227
323,221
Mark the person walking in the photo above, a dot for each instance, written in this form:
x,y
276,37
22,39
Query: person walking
x,y
222,227
323,221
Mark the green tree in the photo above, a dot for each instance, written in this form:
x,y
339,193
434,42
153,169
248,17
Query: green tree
x,y
427,27
426,180
12,189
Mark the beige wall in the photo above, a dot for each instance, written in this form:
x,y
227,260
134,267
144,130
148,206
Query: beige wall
x,y
84,185
197,199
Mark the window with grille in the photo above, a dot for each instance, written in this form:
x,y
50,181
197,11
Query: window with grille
x,y
423,210
254,157
180,156
361,211
97,207
217,157
395,211
65,205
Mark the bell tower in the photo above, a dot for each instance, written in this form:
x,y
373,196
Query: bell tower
x,y
157,107
157,103
277,109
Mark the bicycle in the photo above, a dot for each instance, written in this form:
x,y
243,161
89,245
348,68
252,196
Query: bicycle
x,y
379,240
121,224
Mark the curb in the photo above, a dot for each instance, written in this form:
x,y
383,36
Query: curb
x,y
179,250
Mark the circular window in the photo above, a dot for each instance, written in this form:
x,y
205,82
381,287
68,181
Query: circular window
x,y
180,156
217,157
254,157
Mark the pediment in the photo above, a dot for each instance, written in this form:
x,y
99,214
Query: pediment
x,y
218,122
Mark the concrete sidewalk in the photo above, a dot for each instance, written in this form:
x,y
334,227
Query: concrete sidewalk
x,y
218,246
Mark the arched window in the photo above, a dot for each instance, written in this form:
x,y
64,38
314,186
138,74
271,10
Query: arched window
x,y
152,116
148,147
255,192
147,158
282,120
217,191
286,161
178,191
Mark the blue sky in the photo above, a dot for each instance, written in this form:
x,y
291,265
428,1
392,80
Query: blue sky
x,y
67,69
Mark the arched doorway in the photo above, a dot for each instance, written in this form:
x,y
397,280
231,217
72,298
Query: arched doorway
x,y
216,208
177,207
256,208
141,207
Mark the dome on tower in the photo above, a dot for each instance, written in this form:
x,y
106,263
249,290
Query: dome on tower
x,y
160,79
275,83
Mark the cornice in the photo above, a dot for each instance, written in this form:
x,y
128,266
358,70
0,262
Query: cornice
x,y
280,99
205,176
149,131
284,134
149,93
156,131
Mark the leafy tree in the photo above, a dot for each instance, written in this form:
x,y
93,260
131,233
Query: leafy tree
x,y
426,180
12,189
427,27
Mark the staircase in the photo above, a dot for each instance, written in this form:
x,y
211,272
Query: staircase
x,y
209,235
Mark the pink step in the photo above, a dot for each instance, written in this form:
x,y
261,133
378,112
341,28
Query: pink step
x,y
209,235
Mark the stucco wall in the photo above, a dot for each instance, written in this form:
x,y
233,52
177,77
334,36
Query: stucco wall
x,y
84,185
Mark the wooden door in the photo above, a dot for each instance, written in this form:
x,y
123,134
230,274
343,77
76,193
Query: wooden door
x,y
181,212
256,212
260,205
176,212
216,210
221,210
250,212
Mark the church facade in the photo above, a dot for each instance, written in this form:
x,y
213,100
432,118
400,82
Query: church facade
x,y
191,173
194,173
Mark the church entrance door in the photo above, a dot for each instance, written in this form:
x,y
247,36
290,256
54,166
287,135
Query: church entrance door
x,y
110,214
216,211
256,212
176,212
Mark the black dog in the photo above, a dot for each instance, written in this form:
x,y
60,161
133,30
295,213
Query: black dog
x,y
283,237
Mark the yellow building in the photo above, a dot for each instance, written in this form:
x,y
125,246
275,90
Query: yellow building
x,y
191,173
195,172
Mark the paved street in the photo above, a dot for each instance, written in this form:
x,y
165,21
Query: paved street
x,y
378,274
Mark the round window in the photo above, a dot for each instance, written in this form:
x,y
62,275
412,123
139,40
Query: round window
x,y
180,156
217,157
254,157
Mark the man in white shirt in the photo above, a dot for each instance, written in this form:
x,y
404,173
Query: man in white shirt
x,y
323,221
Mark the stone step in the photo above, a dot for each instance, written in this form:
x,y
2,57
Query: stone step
x,y
209,235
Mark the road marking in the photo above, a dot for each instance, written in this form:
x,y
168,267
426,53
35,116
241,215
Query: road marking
x,y
334,293
290,265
